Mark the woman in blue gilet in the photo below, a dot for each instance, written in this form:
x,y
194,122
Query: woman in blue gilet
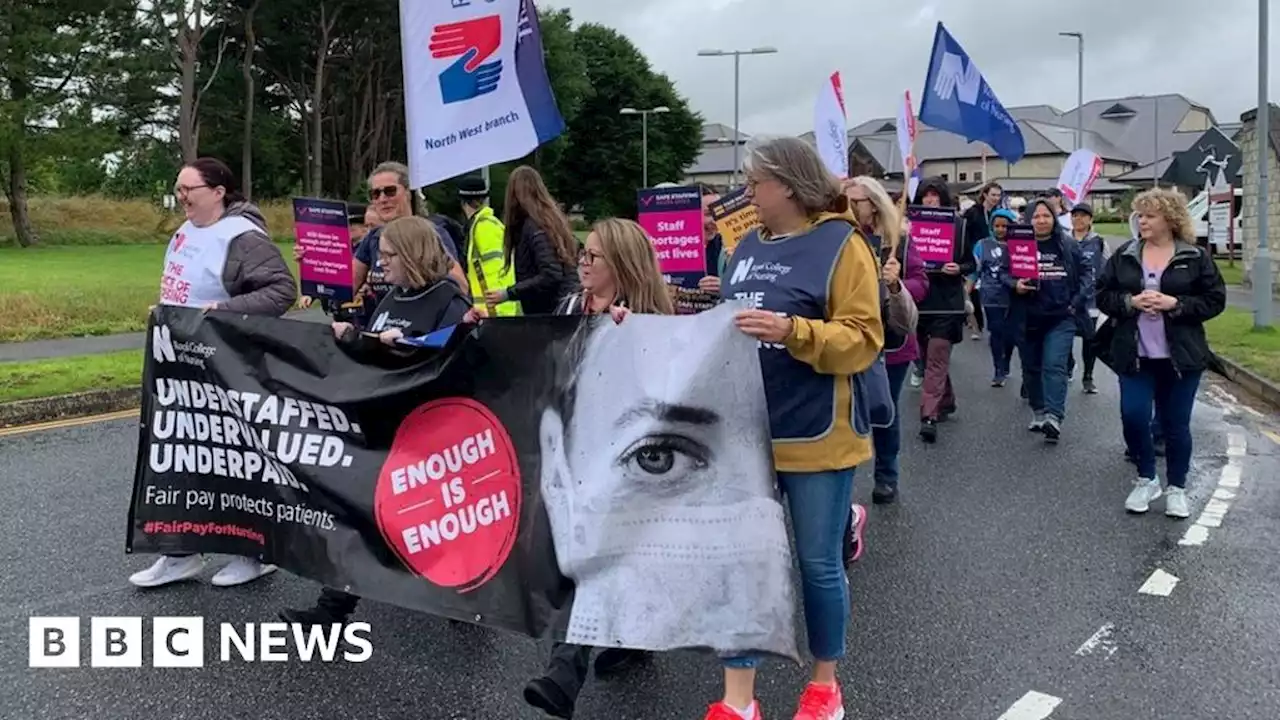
x,y
989,254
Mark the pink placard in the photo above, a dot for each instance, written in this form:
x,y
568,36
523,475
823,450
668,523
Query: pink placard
x,y
1024,255
933,231
326,267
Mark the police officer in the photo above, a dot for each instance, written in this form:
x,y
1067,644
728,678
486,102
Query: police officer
x,y
484,231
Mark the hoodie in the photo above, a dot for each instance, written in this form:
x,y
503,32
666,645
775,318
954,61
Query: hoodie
x,y
1061,290
255,274
942,312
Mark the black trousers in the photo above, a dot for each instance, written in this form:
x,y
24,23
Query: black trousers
x,y
568,668
976,298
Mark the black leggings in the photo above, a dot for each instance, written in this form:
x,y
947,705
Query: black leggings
x,y
1090,359
976,298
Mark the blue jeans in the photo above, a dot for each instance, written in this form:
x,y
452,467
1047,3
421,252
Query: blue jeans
x,y
1173,395
819,504
888,441
1001,343
1046,345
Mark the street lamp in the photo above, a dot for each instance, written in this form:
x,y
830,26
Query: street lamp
x,y
644,133
1079,85
1262,124
737,62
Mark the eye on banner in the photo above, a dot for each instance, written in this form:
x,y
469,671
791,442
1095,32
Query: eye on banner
x,y
450,481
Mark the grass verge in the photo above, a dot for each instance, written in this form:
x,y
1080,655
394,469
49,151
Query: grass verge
x,y
93,220
63,376
1233,336
53,292
1111,229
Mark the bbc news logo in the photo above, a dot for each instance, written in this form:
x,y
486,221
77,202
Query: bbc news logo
x,y
179,642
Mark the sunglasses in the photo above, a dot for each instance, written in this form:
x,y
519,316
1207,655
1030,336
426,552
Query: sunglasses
x,y
389,191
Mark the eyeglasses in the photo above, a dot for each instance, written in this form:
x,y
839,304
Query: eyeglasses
x,y
588,257
390,191
185,189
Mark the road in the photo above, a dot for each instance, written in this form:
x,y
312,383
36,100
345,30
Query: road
x,y
1007,568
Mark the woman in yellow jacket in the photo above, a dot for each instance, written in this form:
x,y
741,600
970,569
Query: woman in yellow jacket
x,y
814,286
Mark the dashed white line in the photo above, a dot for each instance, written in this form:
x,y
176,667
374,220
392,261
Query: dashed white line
x,y
1032,706
1101,642
1228,483
1160,584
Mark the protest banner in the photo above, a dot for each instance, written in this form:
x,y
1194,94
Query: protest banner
x,y
672,217
933,230
1024,254
1078,174
830,127
476,90
326,269
445,481
735,216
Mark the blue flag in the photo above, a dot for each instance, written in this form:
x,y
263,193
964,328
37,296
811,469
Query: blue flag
x,y
958,99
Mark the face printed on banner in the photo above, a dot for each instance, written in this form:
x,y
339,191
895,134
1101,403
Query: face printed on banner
x,y
1043,220
388,198
593,269
657,479
709,228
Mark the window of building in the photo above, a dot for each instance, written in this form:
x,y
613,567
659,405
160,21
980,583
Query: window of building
x,y
945,177
977,176
964,176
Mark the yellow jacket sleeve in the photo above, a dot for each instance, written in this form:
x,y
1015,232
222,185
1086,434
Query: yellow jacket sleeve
x,y
852,337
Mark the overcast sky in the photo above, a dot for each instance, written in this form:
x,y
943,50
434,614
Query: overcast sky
x,y
1204,49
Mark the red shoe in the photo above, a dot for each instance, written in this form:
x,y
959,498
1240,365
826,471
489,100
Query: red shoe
x,y
821,702
722,711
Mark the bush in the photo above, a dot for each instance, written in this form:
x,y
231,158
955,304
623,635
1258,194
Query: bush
x,y
96,220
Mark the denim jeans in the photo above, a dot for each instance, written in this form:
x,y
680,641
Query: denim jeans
x,y
1046,345
1173,395
819,504
888,440
1001,343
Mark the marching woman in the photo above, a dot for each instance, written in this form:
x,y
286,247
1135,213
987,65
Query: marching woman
x,y
993,294
1094,252
1158,292
942,320
618,271
902,271
538,243
819,327
423,298
1046,314
220,259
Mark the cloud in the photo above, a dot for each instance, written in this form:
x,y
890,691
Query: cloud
x,y
1207,52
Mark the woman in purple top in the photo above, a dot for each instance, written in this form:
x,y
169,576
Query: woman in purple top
x,y
1158,292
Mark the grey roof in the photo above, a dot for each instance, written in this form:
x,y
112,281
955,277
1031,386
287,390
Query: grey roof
x,y
1170,145
719,132
1153,117
1039,185
1040,113
714,158
1231,129
1041,139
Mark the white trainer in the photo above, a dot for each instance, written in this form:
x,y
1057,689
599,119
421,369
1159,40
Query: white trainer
x,y
240,571
1144,492
1175,503
166,570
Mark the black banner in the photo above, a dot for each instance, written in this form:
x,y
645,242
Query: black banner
x,y
606,484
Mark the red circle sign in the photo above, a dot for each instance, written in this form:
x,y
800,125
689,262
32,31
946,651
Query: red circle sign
x,y
448,497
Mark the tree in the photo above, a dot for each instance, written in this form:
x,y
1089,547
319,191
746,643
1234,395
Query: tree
x,y
603,170
54,57
250,8
186,23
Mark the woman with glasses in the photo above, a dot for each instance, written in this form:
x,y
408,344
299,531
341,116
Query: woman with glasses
x,y
220,259
539,243
619,274
389,198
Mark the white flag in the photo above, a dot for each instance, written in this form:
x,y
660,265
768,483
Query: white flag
x,y
476,91
830,129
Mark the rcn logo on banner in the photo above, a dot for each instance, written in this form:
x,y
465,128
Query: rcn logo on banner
x,y
162,344
164,350
473,42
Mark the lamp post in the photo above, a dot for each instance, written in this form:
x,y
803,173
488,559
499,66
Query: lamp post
x,y
1079,85
737,63
644,134
1262,137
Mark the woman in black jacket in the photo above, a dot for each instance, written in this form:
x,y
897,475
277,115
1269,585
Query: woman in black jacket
x,y
540,245
1158,292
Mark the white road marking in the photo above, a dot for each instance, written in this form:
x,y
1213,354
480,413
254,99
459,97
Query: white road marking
x,y
1160,584
1032,706
1102,641
1220,502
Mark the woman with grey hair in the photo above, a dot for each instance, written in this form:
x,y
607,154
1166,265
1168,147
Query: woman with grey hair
x,y
390,200
813,287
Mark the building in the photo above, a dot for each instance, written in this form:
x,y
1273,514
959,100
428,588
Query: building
x,y
1138,139
714,166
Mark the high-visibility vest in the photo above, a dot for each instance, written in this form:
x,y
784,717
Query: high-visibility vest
x,y
484,261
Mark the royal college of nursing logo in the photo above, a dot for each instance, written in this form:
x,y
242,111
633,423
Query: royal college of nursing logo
x,y
473,42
